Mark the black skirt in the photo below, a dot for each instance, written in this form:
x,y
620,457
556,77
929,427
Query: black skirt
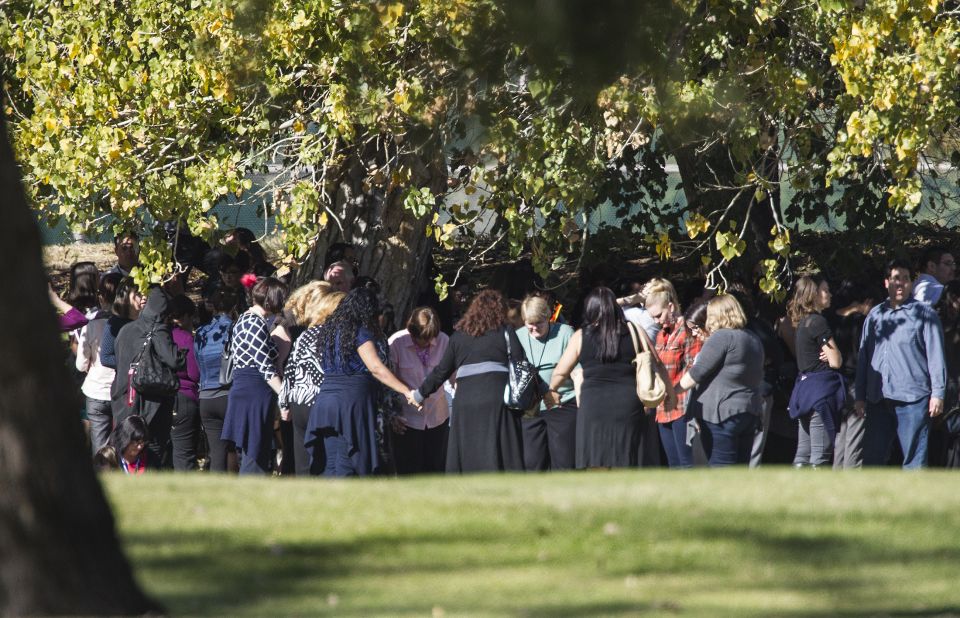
x,y
609,425
484,435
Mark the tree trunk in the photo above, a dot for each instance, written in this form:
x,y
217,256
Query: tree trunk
x,y
60,554
390,242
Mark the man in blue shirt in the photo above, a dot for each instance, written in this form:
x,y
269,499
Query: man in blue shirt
x,y
937,268
901,374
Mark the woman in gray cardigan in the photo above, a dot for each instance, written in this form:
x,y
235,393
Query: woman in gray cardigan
x,y
727,373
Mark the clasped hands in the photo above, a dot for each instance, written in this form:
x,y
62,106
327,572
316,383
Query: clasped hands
x,y
413,400
551,399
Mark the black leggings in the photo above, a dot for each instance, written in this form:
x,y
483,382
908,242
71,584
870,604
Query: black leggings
x,y
212,412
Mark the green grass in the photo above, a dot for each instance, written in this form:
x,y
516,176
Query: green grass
x,y
769,542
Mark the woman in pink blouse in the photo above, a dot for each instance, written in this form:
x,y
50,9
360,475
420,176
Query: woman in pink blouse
x,y
419,437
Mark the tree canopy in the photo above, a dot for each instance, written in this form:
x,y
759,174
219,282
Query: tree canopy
x,y
523,115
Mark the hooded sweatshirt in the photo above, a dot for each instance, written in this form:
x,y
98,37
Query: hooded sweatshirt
x,y
128,345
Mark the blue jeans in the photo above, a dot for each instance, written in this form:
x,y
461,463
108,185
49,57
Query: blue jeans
x,y
673,437
729,442
909,421
339,462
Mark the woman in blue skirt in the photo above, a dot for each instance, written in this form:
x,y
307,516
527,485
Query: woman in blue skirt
x,y
256,382
344,411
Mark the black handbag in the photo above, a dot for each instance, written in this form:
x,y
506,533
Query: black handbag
x,y
226,360
951,421
151,376
523,382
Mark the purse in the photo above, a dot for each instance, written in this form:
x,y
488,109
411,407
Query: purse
x,y
651,389
226,360
523,388
151,376
951,421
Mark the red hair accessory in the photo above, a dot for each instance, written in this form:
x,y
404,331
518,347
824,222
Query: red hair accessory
x,y
248,280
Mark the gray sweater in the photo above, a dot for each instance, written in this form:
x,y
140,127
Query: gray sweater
x,y
728,371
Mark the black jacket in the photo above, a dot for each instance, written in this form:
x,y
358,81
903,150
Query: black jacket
x,y
128,346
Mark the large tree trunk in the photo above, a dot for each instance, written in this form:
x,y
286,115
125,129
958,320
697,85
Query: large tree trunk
x,y
60,553
391,243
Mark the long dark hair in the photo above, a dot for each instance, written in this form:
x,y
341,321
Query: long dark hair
x,y
121,301
359,308
604,319
84,280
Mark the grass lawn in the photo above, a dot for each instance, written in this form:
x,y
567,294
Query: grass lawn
x,y
725,542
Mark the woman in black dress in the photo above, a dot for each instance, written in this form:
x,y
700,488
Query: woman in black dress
x,y
611,419
484,434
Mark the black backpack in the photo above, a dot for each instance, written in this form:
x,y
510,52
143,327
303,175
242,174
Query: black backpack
x,y
151,376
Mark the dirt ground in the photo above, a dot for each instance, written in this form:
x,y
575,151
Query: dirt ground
x,y
59,258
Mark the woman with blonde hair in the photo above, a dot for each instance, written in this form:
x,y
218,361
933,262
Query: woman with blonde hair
x,y
677,346
819,392
550,434
303,373
303,301
727,373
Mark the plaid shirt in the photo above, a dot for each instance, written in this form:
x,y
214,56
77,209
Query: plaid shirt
x,y
677,348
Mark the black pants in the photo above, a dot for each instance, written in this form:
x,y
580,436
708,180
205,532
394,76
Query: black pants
x,y
212,412
421,451
184,433
158,439
550,439
299,415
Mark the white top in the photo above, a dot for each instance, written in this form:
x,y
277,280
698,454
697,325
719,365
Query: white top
x,y
640,317
927,289
99,378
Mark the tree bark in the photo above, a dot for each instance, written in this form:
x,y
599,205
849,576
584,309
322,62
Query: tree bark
x,y
60,552
390,242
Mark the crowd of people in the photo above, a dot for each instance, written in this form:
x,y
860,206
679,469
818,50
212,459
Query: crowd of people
x,y
317,381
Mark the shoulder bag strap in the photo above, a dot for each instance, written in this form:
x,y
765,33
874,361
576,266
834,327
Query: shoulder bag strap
x,y
644,340
146,340
634,337
506,335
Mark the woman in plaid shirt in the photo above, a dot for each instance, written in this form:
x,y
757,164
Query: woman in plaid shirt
x,y
677,347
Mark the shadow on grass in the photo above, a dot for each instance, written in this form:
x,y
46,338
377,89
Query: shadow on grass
x,y
832,564
227,574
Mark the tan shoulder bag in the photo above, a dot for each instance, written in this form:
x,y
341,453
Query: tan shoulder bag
x,y
651,389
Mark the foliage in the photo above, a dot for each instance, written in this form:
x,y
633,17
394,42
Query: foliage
x,y
155,111
126,108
